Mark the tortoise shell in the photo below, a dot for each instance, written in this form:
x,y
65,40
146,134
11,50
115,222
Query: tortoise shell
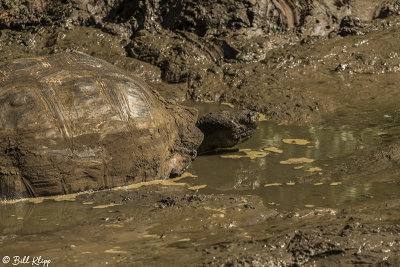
x,y
70,122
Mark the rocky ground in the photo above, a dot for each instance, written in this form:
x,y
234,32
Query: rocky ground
x,y
296,62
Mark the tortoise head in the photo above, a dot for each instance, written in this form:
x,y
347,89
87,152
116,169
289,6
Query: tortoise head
x,y
225,129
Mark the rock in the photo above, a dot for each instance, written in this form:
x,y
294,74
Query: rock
x,y
70,122
207,18
350,25
388,8
225,129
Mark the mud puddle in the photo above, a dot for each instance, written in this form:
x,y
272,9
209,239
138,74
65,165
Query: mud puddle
x,y
293,167
144,226
278,201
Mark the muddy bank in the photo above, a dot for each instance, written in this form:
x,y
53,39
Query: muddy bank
x,y
294,61
172,225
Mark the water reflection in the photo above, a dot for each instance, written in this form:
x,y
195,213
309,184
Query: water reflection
x,y
324,145
327,145
29,218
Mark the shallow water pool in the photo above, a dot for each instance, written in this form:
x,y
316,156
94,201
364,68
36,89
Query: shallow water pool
x,y
296,166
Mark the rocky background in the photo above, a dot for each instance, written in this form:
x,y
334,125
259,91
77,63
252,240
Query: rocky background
x,y
283,58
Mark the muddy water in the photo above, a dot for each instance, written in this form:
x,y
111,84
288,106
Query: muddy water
x,y
222,202
292,166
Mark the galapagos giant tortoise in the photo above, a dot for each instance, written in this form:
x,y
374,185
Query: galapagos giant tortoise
x,y
225,129
70,122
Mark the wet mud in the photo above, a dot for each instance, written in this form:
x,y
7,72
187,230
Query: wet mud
x,y
170,224
295,62
318,183
319,210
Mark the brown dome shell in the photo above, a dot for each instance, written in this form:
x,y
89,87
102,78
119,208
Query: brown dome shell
x,y
70,122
